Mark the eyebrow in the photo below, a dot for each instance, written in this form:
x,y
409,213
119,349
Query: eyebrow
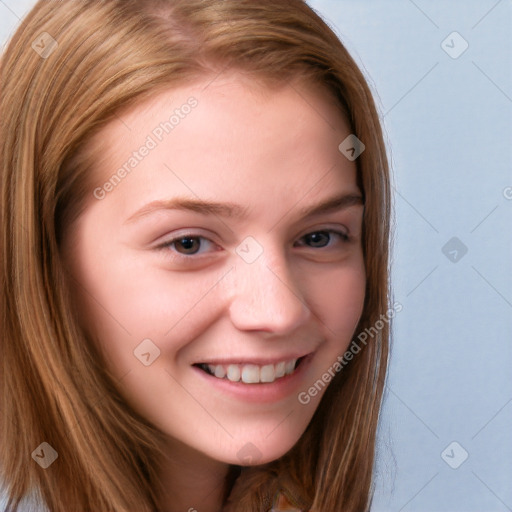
x,y
232,210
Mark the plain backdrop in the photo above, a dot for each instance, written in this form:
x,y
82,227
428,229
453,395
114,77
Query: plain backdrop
x,y
441,73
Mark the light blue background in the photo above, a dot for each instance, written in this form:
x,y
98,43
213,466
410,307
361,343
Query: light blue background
x,y
448,122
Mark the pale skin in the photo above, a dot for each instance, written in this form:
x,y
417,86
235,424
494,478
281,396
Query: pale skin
x,y
274,153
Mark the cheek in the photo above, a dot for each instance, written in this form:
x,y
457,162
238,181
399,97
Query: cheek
x,y
337,296
123,301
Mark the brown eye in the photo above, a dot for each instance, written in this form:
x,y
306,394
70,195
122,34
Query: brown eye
x,y
189,244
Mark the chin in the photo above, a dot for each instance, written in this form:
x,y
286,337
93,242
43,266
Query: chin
x,y
261,451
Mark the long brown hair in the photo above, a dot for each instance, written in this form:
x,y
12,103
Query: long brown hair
x,y
67,71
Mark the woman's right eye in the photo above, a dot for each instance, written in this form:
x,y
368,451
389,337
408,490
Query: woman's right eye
x,y
187,245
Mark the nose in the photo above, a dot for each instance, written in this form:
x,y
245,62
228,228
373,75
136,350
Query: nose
x,y
266,296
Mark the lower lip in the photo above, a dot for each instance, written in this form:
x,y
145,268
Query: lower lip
x,y
263,392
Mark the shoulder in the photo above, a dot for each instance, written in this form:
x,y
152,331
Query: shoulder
x,y
30,503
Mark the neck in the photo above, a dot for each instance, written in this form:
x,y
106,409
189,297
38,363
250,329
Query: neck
x,y
194,482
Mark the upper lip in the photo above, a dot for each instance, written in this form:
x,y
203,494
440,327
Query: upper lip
x,y
259,361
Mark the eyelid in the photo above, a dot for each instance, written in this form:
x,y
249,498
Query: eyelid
x,y
343,233
337,228
176,238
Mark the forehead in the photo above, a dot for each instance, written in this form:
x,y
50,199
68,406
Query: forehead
x,y
234,98
239,140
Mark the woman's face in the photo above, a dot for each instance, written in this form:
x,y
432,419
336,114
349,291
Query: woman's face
x,y
207,247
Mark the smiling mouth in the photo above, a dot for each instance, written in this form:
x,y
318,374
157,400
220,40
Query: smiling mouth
x,y
251,373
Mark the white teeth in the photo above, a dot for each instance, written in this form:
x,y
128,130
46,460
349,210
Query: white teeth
x,y
268,373
289,366
233,373
252,373
280,367
218,371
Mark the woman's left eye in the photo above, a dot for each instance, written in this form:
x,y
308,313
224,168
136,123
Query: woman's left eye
x,y
321,239
192,245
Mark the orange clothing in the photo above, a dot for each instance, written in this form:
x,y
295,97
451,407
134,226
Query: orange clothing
x,y
282,504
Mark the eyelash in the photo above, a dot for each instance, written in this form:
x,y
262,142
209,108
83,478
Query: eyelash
x,y
170,243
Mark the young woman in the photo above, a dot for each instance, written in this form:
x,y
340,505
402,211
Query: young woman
x,y
195,209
